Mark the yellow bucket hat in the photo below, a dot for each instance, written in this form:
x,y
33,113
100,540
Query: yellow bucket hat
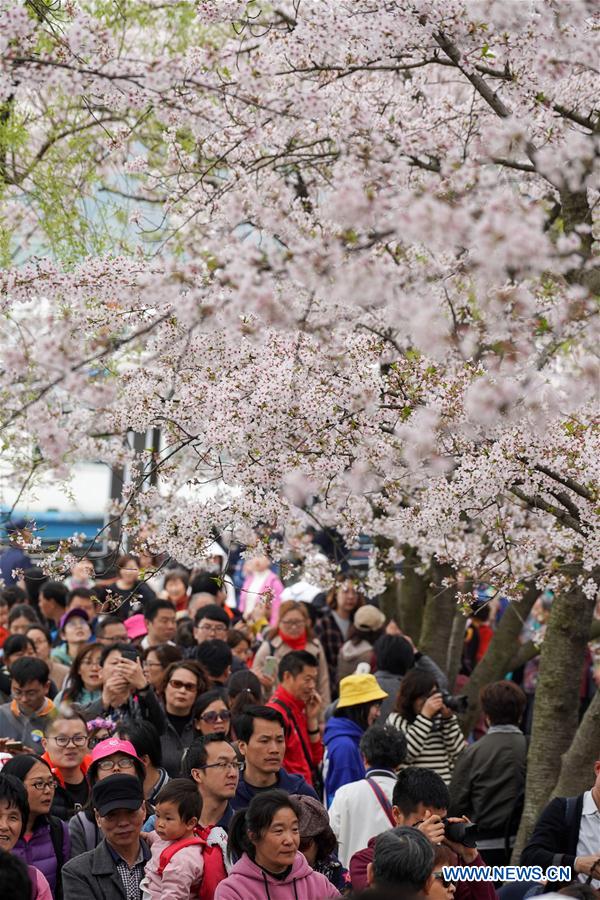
x,y
356,689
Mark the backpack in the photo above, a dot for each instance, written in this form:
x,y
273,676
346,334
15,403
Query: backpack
x,y
57,836
214,867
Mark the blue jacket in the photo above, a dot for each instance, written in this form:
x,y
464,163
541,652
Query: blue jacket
x,y
13,558
343,761
292,784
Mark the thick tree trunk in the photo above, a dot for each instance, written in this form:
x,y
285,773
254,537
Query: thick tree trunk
x,y
577,769
497,661
556,709
455,647
412,592
440,609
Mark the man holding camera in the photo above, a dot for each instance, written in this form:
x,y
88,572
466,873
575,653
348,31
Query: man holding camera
x,y
420,800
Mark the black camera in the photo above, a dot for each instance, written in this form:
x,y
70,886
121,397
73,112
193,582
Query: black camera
x,y
458,704
464,833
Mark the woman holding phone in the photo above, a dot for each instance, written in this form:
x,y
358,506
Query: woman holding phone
x,y
126,693
293,632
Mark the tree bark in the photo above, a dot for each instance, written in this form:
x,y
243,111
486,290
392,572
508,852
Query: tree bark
x,y
501,651
455,647
577,768
412,591
556,709
438,616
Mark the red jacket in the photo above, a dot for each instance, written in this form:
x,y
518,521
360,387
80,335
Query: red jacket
x,y
301,756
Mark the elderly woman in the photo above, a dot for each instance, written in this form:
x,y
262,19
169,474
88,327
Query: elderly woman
x,y
293,632
318,843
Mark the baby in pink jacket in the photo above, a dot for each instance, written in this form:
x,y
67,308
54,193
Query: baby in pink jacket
x,y
175,869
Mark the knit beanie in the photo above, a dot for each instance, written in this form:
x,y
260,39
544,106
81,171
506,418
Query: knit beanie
x,y
313,818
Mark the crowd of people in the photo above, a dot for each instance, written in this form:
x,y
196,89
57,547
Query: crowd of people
x,y
174,734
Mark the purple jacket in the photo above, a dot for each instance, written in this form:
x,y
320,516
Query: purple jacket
x,y
38,851
249,882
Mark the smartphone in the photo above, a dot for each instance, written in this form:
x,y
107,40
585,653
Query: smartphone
x,y
130,654
14,746
270,666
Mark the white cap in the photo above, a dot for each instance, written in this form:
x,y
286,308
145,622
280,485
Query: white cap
x,y
300,591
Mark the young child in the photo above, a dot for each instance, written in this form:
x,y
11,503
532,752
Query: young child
x,y
175,869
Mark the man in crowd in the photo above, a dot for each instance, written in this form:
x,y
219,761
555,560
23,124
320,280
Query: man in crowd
x,y
114,870
363,809
420,798
213,764
215,657
161,623
53,603
210,623
25,718
82,598
111,630
14,557
403,860
488,780
568,834
297,700
261,740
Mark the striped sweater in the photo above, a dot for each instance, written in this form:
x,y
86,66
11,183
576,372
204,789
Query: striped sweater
x,y
431,743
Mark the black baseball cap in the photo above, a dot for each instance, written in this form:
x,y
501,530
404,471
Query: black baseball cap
x,y
117,792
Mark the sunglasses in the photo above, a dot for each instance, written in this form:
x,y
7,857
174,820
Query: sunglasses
x,y
445,881
183,686
211,717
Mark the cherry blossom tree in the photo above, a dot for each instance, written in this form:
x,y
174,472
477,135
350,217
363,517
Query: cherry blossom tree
x,y
357,286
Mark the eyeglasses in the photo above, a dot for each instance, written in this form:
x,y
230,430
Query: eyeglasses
x,y
445,881
40,785
108,765
230,764
215,629
151,665
91,663
211,717
18,694
63,740
184,686
293,623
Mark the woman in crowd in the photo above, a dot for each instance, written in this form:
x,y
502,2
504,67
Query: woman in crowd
x,y
84,683
293,632
126,694
265,838
240,644
176,589
358,708
367,626
66,752
333,629
442,889
75,632
111,757
156,660
40,636
21,617
318,843
14,813
211,713
433,736
260,583
183,682
45,842
127,589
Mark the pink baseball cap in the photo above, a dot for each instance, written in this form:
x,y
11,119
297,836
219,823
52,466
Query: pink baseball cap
x,y
136,626
113,745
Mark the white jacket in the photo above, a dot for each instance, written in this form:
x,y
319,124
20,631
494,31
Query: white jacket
x,y
356,815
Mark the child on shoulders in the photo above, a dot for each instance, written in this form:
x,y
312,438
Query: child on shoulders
x,y
175,869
